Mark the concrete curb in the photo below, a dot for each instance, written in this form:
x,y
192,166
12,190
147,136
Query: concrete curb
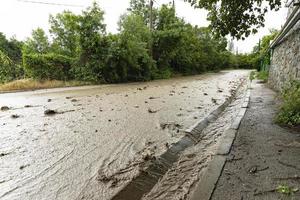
x,y
210,177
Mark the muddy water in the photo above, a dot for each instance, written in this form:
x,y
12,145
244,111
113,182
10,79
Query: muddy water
x,y
100,135
180,181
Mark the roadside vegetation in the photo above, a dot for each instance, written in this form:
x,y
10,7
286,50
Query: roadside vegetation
x,y
289,113
30,84
80,49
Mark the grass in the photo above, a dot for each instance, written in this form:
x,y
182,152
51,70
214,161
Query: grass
x,y
30,84
263,76
289,113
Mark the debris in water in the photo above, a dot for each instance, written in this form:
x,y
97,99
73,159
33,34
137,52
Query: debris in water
x,y
152,111
4,108
253,170
68,97
136,106
23,166
205,94
214,100
74,100
28,106
50,112
3,154
220,90
167,145
170,126
153,97
15,116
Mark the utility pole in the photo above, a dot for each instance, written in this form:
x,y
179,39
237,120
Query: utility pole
x,y
151,15
151,27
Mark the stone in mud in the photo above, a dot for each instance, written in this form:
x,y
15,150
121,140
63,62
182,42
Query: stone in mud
x,y
49,100
15,116
214,100
220,90
74,100
50,112
152,111
3,154
153,97
28,106
4,108
205,94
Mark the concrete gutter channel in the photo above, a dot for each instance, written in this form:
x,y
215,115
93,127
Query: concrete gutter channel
x,y
210,177
147,179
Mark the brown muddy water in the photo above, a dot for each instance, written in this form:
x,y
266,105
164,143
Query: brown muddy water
x,y
96,138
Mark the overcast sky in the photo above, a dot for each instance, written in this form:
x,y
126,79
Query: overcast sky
x,y
19,18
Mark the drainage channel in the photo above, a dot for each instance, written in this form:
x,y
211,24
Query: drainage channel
x,y
147,179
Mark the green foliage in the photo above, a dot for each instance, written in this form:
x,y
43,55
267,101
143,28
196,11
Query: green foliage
x,y
261,54
93,45
64,29
39,43
80,48
237,18
263,76
284,189
128,57
12,48
290,111
47,66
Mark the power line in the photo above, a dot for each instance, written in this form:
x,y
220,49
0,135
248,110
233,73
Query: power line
x,y
49,3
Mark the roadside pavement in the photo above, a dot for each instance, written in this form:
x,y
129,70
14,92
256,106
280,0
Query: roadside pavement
x,y
264,162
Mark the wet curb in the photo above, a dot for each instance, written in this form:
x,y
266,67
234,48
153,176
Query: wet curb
x,y
146,180
210,177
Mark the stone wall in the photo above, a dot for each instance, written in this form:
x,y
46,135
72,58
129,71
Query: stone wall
x,y
285,61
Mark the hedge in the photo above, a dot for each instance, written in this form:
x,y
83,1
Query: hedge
x,y
47,66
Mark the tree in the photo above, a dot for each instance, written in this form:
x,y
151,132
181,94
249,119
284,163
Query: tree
x,y
38,43
128,58
237,18
64,29
11,47
93,45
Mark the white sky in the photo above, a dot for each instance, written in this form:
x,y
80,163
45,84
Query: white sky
x,y
19,18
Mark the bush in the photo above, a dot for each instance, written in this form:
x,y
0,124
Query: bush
x,y
47,66
263,76
290,111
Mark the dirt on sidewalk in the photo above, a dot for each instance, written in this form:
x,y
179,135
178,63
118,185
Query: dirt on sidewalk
x,y
264,162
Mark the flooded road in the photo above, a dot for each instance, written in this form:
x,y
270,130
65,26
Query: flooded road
x,y
88,142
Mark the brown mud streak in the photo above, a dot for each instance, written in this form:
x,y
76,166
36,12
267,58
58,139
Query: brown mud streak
x,y
146,180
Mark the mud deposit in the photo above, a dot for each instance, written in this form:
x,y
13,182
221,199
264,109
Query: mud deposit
x,y
89,142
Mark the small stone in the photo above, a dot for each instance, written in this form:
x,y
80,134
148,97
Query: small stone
x,y
50,112
15,116
4,108
152,111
